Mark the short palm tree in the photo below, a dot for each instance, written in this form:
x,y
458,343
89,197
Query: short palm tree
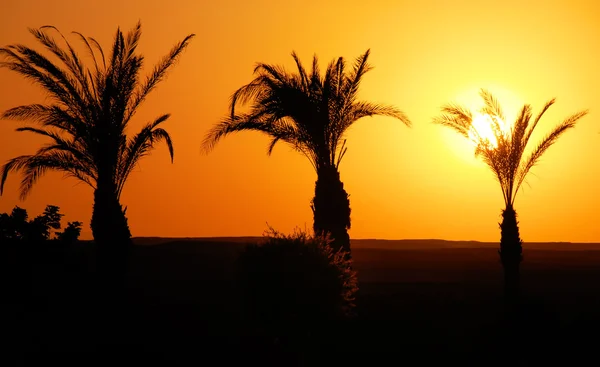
x,y
86,119
505,157
311,113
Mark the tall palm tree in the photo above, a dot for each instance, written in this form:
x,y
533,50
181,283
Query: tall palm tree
x,y
86,119
311,113
505,157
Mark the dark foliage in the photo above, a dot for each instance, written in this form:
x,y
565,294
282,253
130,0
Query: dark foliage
x,y
71,232
295,281
16,226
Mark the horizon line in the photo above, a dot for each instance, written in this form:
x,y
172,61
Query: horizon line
x,y
364,239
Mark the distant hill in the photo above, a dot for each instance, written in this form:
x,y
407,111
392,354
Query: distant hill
x,y
419,244
162,240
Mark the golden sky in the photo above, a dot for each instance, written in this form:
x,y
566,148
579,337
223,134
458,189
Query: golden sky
x,y
422,182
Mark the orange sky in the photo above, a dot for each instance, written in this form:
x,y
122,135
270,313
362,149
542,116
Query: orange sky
x,y
421,182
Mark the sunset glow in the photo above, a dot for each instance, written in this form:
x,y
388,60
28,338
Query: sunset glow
x,y
483,129
416,182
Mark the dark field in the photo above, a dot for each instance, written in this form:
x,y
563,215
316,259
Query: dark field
x,y
419,302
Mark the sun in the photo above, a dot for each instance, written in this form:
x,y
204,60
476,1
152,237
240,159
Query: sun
x,y
483,129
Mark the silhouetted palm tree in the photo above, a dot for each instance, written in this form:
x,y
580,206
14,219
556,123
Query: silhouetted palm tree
x,y
311,113
506,159
87,117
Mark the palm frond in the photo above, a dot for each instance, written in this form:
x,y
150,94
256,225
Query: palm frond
x,y
157,75
36,112
308,111
339,73
58,161
367,109
229,125
86,42
69,146
52,115
315,74
34,166
360,68
246,93
341,154
160,134
139,146
543,146
536,121
13,164
505,157
455,117
100,50
301,72
516,148
31,65
492,106
272,144
520,127
78,74
70,59
492,158
118,45
133,38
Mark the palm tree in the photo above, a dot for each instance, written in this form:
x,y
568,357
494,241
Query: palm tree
x,y
311,113
86,120
505,157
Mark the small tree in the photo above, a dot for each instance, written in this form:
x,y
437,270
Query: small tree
x,y
504,152
17,228
41,226
71,233
14,226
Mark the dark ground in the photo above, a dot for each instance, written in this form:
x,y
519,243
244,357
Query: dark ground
x,y
415,307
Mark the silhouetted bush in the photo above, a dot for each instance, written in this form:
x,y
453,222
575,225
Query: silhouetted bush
x,y
296,280
16,227
71,233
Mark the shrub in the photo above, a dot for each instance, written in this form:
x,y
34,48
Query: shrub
x,y
71,233
17,228
296,279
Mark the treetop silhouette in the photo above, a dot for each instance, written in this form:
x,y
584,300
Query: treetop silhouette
x,y
310,112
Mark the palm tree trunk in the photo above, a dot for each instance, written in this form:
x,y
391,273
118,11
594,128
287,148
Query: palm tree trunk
x,y
111,235
331,208
510,254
